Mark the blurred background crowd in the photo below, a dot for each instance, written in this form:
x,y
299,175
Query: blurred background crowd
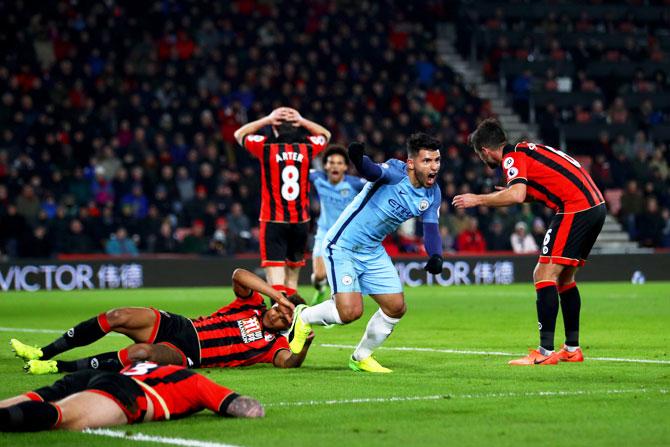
x,y
117,117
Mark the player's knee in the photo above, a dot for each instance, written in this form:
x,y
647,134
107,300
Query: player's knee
x,y
395,310
118,317
350,313
545,272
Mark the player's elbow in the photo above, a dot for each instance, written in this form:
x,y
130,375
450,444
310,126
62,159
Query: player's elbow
x,y
519,198
326,135
518,193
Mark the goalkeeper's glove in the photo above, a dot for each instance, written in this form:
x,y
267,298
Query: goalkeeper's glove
x,y
434,265
356,152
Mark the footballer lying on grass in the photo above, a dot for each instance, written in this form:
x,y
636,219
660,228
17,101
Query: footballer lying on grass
x,y
244,332
141,392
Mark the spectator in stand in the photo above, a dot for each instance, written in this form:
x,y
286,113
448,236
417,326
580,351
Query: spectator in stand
x,y
471,239
650,224
13,227
165,241
136,201
618,113
219,243
521,92
76,240
521,240
37,245
196,242
447,240
665,241
632,203
28,205
497,239
119,244
239,228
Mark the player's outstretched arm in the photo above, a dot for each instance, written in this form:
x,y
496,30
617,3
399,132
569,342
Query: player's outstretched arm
x,y
245,283
508,196
287,359
369,170
224,401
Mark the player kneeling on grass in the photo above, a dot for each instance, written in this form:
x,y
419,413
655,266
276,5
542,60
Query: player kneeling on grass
x,y
141,392
537,172
242,333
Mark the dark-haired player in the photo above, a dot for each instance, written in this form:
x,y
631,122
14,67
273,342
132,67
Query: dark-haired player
x,y
242,333
141,392
538,172
356,262
335,190
285,161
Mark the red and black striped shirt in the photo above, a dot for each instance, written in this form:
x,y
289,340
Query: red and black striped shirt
x,y
284,176
552,177
176,391
234,335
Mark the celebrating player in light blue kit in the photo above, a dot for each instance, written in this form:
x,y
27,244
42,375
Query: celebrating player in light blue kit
x,y
356,262
335,190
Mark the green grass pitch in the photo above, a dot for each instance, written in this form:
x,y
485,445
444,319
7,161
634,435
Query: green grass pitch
x,y
436,395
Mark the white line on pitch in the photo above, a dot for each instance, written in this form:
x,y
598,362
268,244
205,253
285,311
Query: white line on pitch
x,y
365,400
507,354
410,349
42,331
141,437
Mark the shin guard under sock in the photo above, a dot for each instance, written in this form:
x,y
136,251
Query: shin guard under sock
x,y
571,304
108,361
82,334
547,311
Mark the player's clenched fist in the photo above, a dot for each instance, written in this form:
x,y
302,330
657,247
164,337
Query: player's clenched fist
x,y
434,265
465,201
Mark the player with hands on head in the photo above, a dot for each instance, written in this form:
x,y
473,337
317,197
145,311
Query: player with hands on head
x,y
244,332
539,172
285,162
356,262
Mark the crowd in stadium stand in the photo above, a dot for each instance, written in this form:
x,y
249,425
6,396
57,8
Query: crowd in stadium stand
x,y
117,122
594,75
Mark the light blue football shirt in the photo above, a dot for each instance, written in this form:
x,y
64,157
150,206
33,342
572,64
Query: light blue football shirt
x,y
380,208
334,198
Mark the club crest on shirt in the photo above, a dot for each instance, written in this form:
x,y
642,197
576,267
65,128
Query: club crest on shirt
x,y
509,161
344,192
423,205
250,329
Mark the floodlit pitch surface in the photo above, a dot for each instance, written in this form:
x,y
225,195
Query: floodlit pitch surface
x,y
451,384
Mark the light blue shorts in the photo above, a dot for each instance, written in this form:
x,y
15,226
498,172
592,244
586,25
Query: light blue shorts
x,y
371,273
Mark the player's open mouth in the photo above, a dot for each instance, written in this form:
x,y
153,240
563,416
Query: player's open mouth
x,y
431,177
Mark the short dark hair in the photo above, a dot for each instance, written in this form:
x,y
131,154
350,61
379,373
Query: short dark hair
x,y
335,149
296,299
488,134
288,133
419,141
